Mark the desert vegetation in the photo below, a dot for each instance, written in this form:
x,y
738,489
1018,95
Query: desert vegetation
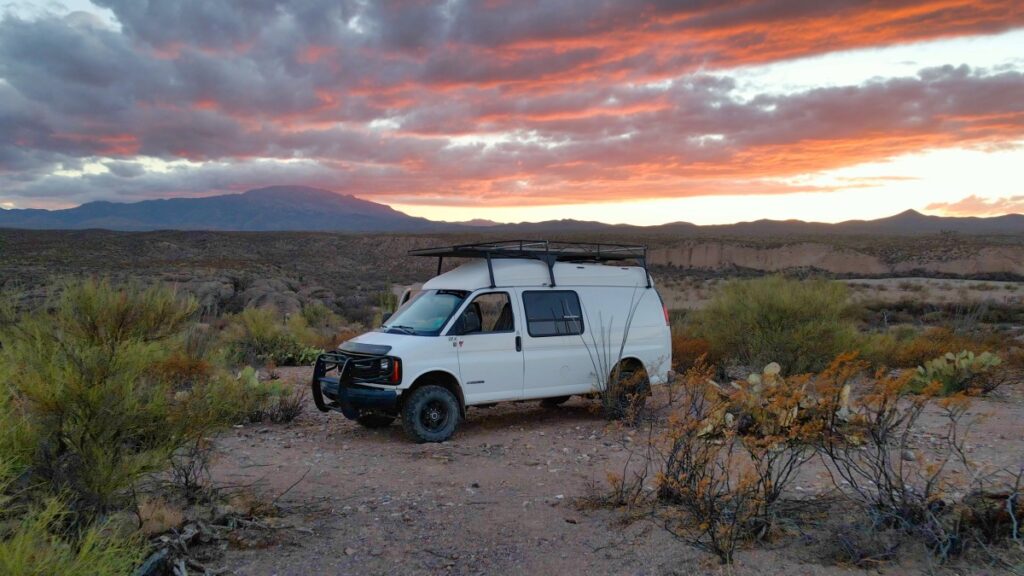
x,y
721,455
115,391
108,396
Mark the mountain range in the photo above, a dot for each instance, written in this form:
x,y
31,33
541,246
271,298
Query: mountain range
x,y
279,208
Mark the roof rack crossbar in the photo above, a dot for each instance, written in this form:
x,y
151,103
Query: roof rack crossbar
x,y
546,251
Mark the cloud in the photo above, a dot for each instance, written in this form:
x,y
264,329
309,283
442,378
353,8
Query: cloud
x,y
452,102
977,206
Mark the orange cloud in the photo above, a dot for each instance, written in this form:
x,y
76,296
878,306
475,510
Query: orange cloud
x,y
976,206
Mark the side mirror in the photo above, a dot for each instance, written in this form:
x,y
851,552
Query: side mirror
x,y
386,315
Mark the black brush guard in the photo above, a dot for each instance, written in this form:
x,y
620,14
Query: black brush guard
x,y
336,388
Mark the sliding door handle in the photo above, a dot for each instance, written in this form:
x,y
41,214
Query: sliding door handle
x,y
519,343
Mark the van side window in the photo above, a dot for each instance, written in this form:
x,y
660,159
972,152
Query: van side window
x,y
553,313
487,313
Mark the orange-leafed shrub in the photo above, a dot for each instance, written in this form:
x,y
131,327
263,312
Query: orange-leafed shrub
x,y
181,371
686,351
895,352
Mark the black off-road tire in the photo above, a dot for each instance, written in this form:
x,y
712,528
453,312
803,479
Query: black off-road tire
x,y
375,420
554,402
430,414
629,404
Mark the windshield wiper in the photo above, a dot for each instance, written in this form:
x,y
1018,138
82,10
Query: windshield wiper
x,y
403,329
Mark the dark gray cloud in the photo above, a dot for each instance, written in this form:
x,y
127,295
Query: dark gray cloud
x,y
467,100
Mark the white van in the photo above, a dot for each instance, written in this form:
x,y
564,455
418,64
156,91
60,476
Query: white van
x,y
520,320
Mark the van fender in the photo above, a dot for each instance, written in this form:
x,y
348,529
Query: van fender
x,y
439,377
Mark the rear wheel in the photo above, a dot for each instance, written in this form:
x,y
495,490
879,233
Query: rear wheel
x,y
375,420
629,392
430,414
554,402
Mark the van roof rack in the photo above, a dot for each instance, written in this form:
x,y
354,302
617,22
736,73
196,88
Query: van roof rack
x,y
546,251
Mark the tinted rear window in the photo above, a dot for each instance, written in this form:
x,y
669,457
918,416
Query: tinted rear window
x,y
553,313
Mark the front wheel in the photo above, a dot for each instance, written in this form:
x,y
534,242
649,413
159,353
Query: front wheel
x,y
430,414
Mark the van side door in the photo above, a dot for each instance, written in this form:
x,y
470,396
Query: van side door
x,y
557,360
486,337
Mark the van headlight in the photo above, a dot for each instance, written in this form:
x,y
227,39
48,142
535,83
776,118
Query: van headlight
x,y
391,369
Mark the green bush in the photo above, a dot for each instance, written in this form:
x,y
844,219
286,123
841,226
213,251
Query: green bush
x,y
257,336
242,399
38,544
98,389
92,414
801,324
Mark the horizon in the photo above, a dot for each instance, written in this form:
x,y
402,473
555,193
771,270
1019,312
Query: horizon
x,y
484,222
710,114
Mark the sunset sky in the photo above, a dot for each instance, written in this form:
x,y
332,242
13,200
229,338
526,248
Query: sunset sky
x,y
644,112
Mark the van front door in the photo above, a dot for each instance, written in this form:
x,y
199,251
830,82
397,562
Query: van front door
x,y
490,353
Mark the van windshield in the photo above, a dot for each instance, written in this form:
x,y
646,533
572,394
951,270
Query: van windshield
x,y
426,313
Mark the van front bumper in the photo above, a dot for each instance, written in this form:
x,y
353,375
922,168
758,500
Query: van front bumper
x,y
340,392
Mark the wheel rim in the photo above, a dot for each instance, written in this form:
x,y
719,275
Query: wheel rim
x,y
434,415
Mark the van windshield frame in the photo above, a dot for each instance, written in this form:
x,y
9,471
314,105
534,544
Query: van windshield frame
x,y
426,313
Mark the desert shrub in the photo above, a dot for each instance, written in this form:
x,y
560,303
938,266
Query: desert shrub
x,y
862,544
801,324
189,470
289,405
257,336
182,371
17,438
864,445
960,372
246,398
733,451
42,538
94,412
905,348
869,449
687,351
712,497
40,543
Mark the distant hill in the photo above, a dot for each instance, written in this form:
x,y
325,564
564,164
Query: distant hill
x,y
910,222
300,208
263,209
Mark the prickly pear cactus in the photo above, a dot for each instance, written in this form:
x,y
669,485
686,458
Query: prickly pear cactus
x,y
766,404
955,372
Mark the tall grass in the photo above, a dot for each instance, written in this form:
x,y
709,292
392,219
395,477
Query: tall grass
x,y
801,324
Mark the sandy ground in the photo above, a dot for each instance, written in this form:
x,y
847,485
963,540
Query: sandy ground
x,y
497,499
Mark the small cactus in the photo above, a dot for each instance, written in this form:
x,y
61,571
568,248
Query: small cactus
x,y
955,372
766,404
